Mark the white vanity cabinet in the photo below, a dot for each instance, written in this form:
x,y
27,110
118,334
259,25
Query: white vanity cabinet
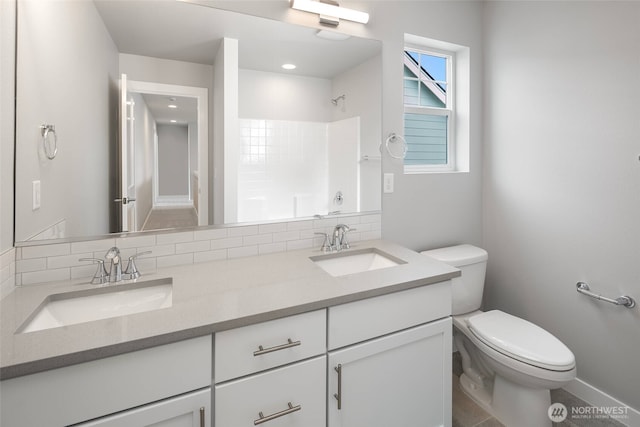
x,y
272,372
90,390
401,378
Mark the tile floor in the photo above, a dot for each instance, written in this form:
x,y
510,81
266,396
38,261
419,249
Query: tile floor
x,y
467,414
163,218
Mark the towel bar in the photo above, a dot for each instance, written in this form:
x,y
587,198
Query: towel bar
x,y
623,300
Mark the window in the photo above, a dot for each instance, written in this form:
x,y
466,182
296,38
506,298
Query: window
x,y
428,111
437,104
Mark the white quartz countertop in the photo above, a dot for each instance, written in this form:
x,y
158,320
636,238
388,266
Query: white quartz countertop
x,y
207,298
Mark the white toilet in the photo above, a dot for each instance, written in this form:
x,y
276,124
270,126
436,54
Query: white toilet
x,y
509,364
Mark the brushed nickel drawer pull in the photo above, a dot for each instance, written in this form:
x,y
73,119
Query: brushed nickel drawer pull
x,y
338,395
261,350
287,411
202,417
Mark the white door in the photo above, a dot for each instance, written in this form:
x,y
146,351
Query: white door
x,y
188,410
400,380
127,159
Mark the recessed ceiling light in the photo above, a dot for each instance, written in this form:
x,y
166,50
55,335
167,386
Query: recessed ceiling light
x,y
289,66
172,106
173,121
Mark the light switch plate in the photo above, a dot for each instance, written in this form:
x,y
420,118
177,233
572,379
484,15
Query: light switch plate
x,y
36,195
388,183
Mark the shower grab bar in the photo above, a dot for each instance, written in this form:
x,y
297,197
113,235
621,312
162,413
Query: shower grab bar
x,y
624,300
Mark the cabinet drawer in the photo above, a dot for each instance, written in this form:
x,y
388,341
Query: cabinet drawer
x,y
238,351
362,320
294,395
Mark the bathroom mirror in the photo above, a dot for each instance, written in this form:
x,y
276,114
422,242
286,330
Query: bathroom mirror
x,y
278,144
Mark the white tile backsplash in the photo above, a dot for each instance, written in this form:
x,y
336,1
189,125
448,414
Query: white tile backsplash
x,y
198,246
46,250
47,263
7,272
49,275
93,246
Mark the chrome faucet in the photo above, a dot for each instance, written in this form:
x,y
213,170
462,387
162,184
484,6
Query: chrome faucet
x,y
339,239
114,272
115,269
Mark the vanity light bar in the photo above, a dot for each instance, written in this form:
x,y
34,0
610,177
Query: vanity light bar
x,y
330,9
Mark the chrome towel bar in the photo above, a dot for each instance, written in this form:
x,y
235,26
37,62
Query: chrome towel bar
x,y
624,300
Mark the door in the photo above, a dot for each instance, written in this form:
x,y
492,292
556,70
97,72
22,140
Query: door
x,y
188,410
400,380
127,159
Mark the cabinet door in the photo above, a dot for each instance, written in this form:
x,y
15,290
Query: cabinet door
x,y
188,410
291,396
400,380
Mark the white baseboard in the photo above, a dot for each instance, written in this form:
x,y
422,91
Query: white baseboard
x,y
598,398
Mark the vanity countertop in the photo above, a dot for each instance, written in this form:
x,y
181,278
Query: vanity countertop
x,y
207,298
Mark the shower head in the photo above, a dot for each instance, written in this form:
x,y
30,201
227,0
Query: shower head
x,y
334,101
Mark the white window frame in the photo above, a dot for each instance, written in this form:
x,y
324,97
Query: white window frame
x,y
448,111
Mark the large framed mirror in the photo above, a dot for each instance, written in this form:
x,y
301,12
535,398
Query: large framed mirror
x,y
167,114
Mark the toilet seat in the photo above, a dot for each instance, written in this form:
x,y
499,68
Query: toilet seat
x,y
521,340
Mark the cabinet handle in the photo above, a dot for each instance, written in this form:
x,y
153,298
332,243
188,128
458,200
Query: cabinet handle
x,y
202,417
338,395
287,411
289,344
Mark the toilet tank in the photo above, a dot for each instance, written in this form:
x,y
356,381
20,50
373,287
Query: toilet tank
x,y
466,290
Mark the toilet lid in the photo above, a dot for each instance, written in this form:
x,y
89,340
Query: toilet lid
x,y
521,340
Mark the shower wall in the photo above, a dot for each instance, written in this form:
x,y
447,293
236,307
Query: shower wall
x,y
281,169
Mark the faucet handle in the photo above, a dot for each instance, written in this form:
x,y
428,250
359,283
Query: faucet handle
x,y
100,276
326,247
132,268
344,243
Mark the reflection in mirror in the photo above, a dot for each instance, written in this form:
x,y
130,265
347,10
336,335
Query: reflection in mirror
x,y
265,143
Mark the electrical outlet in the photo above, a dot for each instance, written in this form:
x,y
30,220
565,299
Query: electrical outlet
x,y
388,183
36,195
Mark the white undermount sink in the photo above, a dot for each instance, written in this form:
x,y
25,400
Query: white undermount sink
x,y
75,307
355,261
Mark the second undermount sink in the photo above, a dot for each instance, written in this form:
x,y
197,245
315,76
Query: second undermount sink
x,y
75,307
355,261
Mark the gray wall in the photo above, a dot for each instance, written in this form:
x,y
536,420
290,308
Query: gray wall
x,y
173,160
425,211
60,75
562,177
7,113
430,210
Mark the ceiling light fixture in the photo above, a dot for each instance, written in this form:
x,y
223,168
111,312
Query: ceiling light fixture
x,y
172,106
332,35
330,12
173,121
289,66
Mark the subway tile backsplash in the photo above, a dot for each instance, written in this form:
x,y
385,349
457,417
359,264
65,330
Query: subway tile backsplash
x,y
46,263
8,271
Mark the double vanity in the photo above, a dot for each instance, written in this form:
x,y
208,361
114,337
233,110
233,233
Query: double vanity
x,y
360,337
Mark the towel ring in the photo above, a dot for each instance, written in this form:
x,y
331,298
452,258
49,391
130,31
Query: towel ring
x,y
393,138
49,134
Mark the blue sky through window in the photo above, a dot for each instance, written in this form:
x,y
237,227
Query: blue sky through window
x,y
436,66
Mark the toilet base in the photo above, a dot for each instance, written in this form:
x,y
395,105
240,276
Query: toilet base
x,y
510,403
